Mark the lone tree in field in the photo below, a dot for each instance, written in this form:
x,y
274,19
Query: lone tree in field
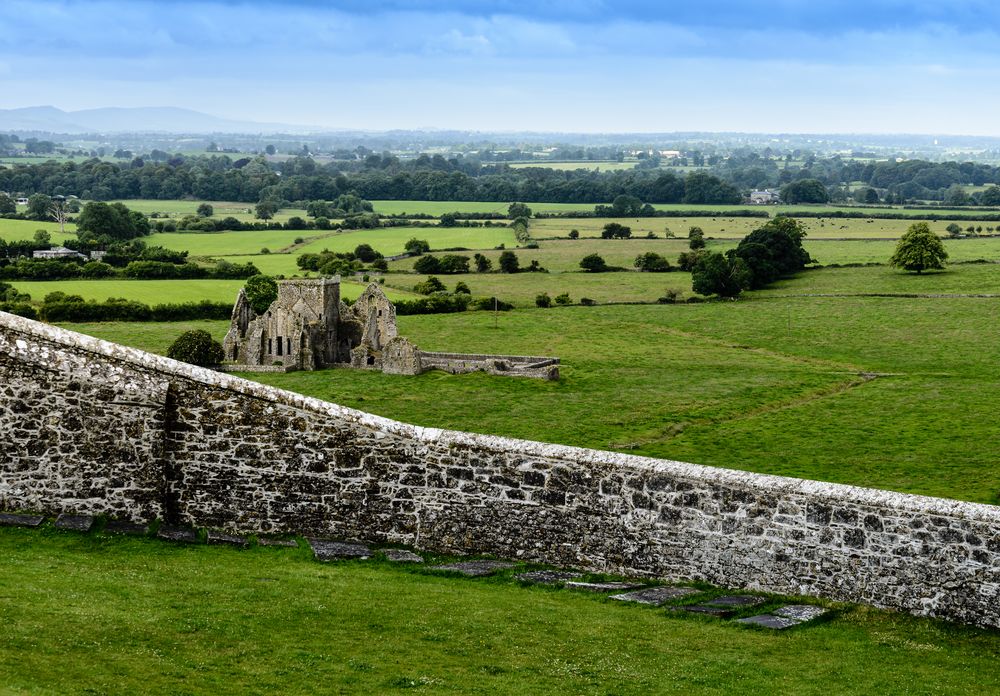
x,y
919,249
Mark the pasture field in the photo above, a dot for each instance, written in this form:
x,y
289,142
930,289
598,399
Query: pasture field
x,y
564,255
440,207
737,228
521,289
118,617
392,240
178,209
162,291
16,230
893,392
230,243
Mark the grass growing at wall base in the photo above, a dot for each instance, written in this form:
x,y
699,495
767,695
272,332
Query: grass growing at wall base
x,y
92,614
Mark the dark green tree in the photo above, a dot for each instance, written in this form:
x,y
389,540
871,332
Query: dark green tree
x,y
261,291
615,230
716,274
509,262
516,210
417,246
651,262
196,347
593,263
205,210
919,250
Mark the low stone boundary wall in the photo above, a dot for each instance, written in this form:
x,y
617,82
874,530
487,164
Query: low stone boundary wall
x,y
91,427
507,365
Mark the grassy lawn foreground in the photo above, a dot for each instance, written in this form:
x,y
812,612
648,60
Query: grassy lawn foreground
x,y
93,614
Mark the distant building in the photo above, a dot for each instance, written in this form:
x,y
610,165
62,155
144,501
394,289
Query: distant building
x,y
57,253
22,201
308,328
764,197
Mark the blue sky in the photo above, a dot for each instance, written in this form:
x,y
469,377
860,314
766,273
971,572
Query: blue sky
x,y
779,66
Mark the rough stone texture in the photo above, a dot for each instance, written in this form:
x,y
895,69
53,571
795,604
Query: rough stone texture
x,y
602,586
503,365
656,596
7,520
287,543
89,427
769,621
307,327
800,612
126,527
76,523
547,577
185,535
326,550
216,537
736,601
708,609
475,569
401,556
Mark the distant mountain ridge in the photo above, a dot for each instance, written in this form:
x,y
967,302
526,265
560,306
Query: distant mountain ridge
x,y
152,119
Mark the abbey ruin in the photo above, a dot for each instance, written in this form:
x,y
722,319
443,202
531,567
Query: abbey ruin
x,y
308,327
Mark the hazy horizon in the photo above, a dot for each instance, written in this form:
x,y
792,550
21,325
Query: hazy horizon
x,y
882,67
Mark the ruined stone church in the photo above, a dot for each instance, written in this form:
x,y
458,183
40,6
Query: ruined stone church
x,y
308,327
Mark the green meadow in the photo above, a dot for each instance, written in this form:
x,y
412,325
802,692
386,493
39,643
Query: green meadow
x,y
162,291
98,614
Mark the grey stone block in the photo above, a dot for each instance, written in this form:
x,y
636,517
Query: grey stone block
x,y
655,596
76,523
184,535
736,601
708,610
12,520
215,537
126,527
603,586
402,556
547,577
326,550
475,568
779,623
800,612
287,543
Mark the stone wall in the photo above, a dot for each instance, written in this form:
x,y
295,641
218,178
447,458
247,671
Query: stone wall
x,y
92,427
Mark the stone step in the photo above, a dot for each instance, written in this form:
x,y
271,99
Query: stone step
x,y
8,519
216,537
76,523
401,556
127,527
547,577
603,586
184,535
655,596
475,568
269,541
328,550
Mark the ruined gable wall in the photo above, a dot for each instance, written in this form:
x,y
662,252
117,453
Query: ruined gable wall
x,y
152,437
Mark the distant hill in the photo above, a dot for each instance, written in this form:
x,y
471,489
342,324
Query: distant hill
x,y
156,119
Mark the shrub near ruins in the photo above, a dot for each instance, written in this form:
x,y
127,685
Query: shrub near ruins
x,y
196,347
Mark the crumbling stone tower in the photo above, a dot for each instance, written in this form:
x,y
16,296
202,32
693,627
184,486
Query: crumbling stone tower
x,y
298,331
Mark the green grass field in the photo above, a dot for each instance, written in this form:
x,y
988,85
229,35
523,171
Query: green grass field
x,y
177,209
392,240
736,227
16,230
161,291
230,243
96,614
